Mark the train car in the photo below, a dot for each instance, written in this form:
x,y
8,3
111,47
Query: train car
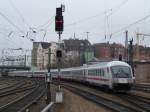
x,y
115,75
122,75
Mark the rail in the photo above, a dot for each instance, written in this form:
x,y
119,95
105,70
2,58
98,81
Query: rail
x,y
48,107
110,104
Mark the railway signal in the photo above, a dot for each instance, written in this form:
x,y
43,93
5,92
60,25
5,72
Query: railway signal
x,y
59,22
59,53
59,27
120,57
131,55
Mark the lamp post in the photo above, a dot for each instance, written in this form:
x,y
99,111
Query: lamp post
x,y
87,46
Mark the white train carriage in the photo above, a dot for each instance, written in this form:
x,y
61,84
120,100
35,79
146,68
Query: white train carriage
x,y
122,76
20,73
66,74
98,74
115,75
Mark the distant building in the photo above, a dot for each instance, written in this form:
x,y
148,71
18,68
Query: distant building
x,y
79,51
102,50
144,53
40,54
108,51
34,53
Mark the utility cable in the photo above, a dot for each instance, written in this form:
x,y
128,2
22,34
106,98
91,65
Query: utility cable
x,y
19,13
132,24
113,10
109,12
10,22
15,44
46,23
21,16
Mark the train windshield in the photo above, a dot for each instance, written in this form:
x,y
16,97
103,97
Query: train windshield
x,y
121,72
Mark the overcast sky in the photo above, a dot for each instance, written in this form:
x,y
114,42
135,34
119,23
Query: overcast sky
x,y
19,18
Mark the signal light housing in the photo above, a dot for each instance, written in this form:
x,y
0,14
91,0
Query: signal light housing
x,y
59,53
59,23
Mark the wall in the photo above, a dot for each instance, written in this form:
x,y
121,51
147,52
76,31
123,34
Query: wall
x,y
142,73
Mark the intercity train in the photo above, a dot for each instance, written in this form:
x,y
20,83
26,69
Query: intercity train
x,y
115,75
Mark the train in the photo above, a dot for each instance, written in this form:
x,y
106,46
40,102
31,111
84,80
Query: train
x,y
114,75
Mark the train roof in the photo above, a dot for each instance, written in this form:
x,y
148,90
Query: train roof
x,y
109,64
115,63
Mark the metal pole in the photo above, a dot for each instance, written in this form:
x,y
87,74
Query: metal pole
x,y
59,63
137,48
126,46
87,47
48,78
3,57
131,55
25,60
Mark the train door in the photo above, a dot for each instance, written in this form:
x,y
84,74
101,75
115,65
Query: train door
x,y
85,74
109,77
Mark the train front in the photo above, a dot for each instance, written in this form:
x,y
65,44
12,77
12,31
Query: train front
x,y
122,78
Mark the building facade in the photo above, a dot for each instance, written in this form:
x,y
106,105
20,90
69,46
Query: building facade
x,y
40,54
78,52
108,51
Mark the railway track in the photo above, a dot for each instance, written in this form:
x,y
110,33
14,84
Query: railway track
x,y
23,102
139,101
18,90
8,83
12,87
23,84
141,87
112,105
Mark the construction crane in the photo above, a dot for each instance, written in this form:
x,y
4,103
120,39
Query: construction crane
x,y
138,42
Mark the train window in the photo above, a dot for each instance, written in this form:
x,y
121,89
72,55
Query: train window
x,y
89,72
99,72
93,72
103,72
107,70
121,71
96,72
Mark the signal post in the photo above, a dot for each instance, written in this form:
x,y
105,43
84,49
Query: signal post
x,y
59,27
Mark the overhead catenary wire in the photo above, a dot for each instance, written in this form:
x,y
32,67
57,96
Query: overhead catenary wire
x,y
113,10
14,25
107,13
10,22
23,19
46,23
132,24
14,43
19,13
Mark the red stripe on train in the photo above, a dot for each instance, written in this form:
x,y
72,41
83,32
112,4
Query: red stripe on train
x,y
97,78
